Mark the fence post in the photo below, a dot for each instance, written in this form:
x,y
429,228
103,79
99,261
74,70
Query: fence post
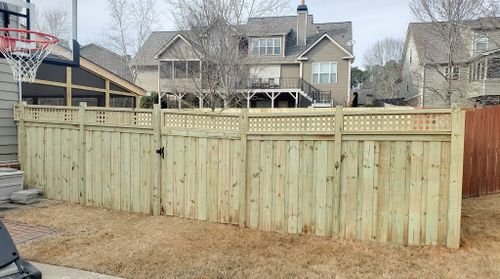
x,y
157,157
82,153
456,176
21,141
244,121
339,127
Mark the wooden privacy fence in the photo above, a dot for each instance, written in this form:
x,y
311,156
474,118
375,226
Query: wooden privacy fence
x,y
482,152
374,175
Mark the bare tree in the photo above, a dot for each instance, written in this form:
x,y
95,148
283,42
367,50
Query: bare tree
x,y
54,21
131,23
382,63
449,47
216,34
383,51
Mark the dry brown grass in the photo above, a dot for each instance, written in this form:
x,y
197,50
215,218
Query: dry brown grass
x,y
138,246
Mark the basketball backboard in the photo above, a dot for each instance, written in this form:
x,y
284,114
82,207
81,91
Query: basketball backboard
x,y
54,17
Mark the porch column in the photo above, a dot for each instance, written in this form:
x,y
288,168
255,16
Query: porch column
x,y
106,94
69,90
138,102
248,100
200,100
272,100
296,99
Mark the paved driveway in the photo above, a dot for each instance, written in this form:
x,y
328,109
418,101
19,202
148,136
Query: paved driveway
x,y
58,272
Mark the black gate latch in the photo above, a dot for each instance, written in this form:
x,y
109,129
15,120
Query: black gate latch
x,y
161,152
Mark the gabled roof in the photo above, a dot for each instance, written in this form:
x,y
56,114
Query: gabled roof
x,y
285,26
107,59
432,49
155,42
177,37
486,23
325,36
90,66
430,46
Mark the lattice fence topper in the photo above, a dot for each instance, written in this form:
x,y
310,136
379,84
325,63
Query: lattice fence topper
x,y
258,122
202,121
291,123
51,114
398,122
142,118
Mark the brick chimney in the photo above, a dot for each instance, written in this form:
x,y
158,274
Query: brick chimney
x,y
302,22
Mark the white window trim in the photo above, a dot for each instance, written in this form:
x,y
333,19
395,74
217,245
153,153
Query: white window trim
x,y
478,36
258,46
172,60
329,73
478,70
445,70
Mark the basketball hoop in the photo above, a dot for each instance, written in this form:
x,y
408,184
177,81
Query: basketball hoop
x,y
25,50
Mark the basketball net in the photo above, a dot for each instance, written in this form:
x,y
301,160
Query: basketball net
x,y
25,50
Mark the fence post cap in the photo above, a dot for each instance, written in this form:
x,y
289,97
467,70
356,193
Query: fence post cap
x,y
83,104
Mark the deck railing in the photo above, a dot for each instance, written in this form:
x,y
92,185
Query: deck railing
x,y
297,83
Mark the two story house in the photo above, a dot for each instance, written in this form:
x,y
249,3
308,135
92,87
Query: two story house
x,y
292,62
475,76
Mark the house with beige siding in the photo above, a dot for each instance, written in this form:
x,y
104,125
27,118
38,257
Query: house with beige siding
x,y
475,76
9,96
293,62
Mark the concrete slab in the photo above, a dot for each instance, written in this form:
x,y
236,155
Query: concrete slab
x,y
59,272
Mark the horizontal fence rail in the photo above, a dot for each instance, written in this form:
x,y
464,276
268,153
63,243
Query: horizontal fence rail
x,y
374,175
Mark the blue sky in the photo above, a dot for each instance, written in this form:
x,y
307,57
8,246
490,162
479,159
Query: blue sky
x,y
372,19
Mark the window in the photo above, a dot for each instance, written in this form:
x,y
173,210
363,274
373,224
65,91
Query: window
x,y
477,71
455,73
494,68
481,42
193,69
266,46
180,69
255,47
324,73
277,46
166,69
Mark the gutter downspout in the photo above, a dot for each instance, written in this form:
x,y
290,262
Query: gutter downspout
x,y
422,102
348,85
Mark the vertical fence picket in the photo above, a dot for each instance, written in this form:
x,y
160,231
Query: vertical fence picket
x,y
456,176
157,159
243,129
339,126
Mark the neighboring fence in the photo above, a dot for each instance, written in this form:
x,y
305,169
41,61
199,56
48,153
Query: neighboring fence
x,y
482,152
374,175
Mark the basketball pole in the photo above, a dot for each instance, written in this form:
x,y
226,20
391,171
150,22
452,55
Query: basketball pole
x,y
20,85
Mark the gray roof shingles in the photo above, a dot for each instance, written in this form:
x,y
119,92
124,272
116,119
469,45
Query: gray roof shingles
x,y
107,59
433,49
265,26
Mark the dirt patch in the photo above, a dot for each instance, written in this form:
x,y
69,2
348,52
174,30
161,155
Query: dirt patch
x,y
139,246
